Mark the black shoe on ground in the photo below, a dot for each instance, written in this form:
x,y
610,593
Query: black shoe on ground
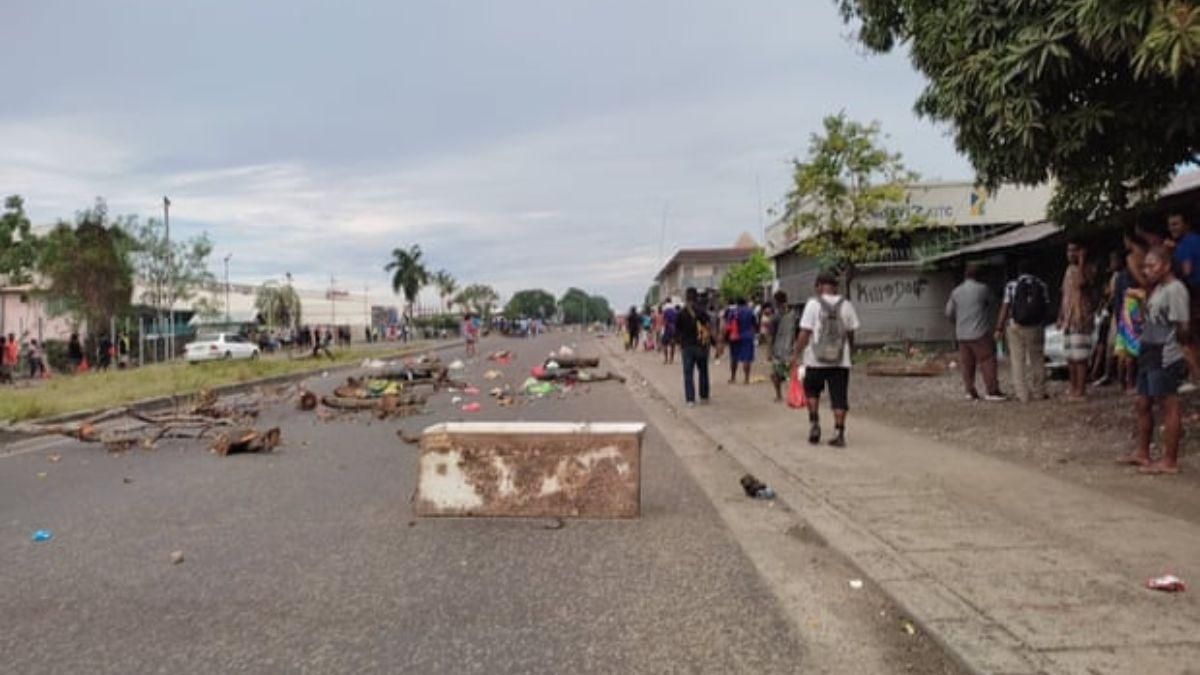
x,y
814,434
838,440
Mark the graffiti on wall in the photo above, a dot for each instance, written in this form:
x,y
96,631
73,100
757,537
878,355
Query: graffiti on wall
x,y
890,292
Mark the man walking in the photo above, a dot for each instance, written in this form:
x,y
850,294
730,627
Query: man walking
x,y
1161,364
1022,321
695,338
971,308
1186,260
1075,320
826,336
783,339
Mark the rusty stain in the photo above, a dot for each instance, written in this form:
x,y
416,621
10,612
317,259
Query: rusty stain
x,y
532,474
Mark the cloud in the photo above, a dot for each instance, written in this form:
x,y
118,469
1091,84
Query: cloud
x,y
538,146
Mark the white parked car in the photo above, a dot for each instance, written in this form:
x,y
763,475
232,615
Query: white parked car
x,y
220,346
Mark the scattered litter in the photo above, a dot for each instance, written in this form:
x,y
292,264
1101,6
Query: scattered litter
x,y
755,488
856,584
308,401
55,459
42,474
374,363
564,351
176,557
538,372
472,407
471,391
556,524
908,627
456,400
1168,583
127,480
246,440
42,535
457,365
411,439
493,375
325,373
552,365
758,379
502,356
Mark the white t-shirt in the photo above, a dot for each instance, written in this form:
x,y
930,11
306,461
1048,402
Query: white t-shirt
x,y
811,320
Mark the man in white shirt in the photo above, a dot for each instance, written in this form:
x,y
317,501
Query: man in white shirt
x,y
826,336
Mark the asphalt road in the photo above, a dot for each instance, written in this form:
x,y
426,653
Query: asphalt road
x,y
309,560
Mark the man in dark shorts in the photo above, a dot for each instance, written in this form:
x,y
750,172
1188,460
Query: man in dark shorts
x,y
1185,256
826,336
1161,364
694,328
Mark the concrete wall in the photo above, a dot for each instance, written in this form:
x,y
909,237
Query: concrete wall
x,y
21,312
898,305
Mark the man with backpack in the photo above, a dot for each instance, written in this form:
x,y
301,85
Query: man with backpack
x,y
826,336
970,307
1023,318
694,329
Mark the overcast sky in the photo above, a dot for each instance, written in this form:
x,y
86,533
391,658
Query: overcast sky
x,y
520,143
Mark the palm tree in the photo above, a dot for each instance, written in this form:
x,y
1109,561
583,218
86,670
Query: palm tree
x,y
447,285
478,298
278,305
408,273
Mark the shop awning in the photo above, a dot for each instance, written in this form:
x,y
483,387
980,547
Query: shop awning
x,y
1021,236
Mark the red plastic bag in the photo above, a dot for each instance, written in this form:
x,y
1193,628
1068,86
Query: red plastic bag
x,y
795,397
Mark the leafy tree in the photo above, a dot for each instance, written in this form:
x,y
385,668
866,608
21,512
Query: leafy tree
x,y
408,273
1102,96
477,298
599,309
208,308
531,303
88,268
278,304
747,279
170,272
447,285
847,197
18,245
579,307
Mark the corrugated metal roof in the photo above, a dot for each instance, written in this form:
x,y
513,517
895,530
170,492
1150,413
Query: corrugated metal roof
x,y
1026,234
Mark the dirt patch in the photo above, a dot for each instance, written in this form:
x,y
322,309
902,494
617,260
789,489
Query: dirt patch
x,y
1076,441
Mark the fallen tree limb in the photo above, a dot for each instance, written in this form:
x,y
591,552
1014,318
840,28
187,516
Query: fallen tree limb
x,y
246,440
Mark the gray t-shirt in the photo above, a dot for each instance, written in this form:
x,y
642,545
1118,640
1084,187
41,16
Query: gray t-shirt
x,y
785,335
971,308
1167,306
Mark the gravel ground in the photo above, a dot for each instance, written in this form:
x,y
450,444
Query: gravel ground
x,y
1075,441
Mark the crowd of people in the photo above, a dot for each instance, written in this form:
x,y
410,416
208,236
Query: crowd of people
x,y
28,356
1134,325
818,335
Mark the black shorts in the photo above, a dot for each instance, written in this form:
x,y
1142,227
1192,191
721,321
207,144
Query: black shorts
x,y
838,380
1154,382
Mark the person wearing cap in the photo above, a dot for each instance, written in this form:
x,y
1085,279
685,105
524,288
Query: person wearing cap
x,y
826,337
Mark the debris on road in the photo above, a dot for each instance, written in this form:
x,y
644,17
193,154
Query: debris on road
x,y
1168,583
908,627
856,584
502,356
755,488
176,557
457,364
493,375
308,401
572,362
905,368
42,535
246,440
411,439
55,458
472,407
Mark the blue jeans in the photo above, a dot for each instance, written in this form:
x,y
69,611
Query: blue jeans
x,y
695,358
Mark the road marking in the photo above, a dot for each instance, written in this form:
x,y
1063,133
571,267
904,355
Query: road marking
x,y
34,445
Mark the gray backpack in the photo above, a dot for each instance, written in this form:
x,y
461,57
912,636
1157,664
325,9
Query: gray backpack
x,y
831,340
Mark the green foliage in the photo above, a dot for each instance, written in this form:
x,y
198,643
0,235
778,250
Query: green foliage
x,y
447,285
278,304
18,246
747,280
477,298
848,195
170,272
1102,96
87,267
408,273
579,307
531,303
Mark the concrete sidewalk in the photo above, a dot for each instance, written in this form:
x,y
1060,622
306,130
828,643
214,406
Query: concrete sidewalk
x,y
1012,570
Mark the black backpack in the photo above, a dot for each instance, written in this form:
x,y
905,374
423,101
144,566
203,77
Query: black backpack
x,y
1029,305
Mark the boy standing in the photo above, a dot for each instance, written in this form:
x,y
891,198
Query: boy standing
x,y
826,336
1162,367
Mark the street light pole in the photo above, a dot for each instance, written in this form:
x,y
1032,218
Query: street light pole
x,y
332,300
227,257
170,279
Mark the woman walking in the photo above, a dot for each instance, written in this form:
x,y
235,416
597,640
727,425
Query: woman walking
x,y
741,331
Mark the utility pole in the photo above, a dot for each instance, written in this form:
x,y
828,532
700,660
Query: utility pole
x,y
170,279
332,300
227,257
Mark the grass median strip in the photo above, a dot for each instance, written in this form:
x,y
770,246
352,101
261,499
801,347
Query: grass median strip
x,y
71,393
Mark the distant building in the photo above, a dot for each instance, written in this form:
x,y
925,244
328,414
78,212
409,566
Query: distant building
x,y
900,296
701,268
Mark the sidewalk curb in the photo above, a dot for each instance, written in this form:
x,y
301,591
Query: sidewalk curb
x,y
159,402
806,503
